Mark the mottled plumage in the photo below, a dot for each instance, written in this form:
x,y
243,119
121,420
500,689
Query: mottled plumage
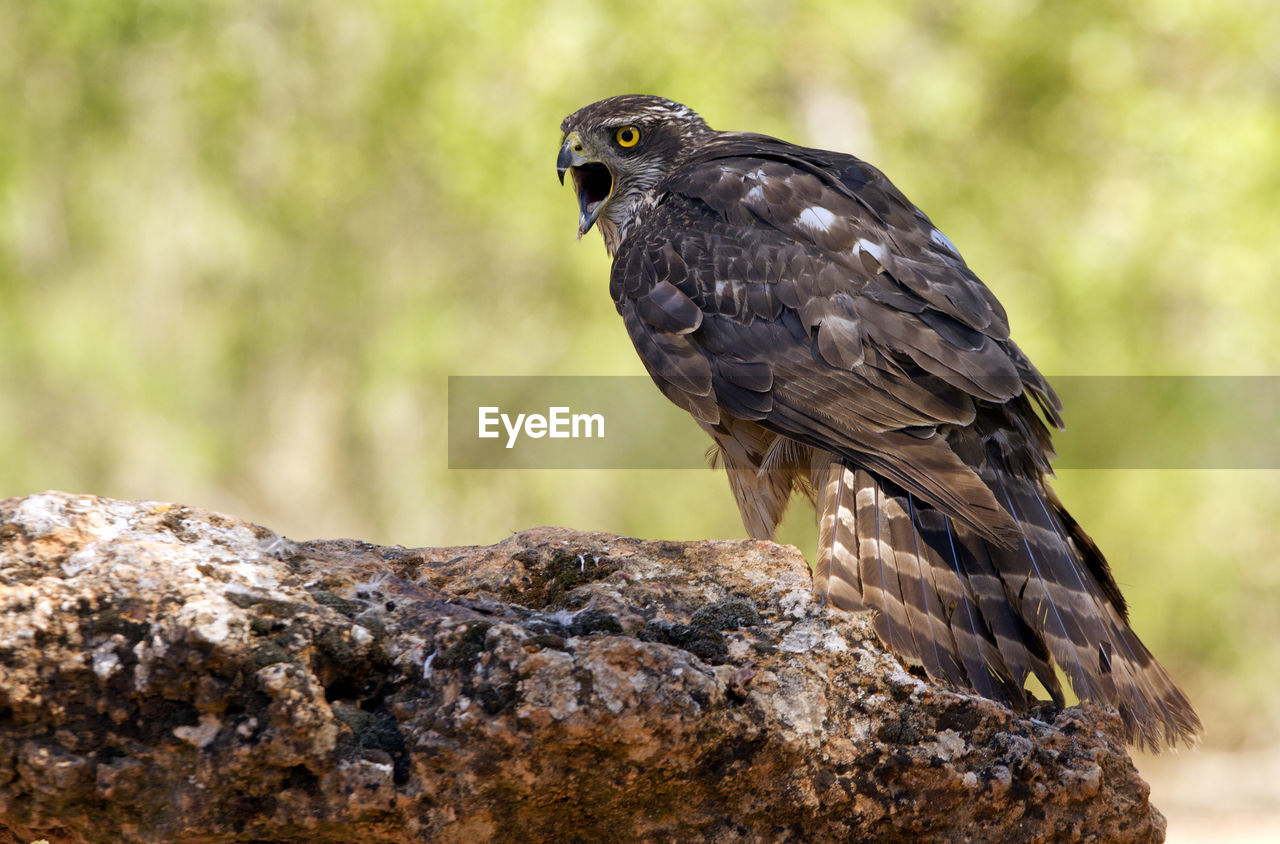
x,y
832,341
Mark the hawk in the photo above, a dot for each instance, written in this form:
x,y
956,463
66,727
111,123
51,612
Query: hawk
x,y
833,342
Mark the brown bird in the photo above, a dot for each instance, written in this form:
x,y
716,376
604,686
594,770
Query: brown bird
x,y
832,341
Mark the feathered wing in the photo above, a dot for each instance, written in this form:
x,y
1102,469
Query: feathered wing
x,y
830,339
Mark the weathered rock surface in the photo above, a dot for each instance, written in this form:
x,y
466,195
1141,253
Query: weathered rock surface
x,y
174,675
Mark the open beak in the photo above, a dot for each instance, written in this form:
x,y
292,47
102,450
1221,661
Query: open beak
x,y
592,181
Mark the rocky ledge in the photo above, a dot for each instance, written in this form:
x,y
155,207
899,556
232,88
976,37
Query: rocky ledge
x,y
169,674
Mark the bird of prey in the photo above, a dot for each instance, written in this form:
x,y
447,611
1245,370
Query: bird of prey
x,y
832,341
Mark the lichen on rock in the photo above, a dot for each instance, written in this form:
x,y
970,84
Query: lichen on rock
x,y
170,674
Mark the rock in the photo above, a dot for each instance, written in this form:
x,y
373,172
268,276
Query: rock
x,y
174,675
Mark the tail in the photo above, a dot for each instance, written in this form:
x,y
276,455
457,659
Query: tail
x,y
984,616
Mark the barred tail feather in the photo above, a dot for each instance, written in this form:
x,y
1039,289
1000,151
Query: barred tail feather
x,y
881,588
1023,650
978,649
986,616
835,573
1154,710
929,621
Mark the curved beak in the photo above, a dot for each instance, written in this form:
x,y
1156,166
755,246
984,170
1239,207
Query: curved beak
x,y
570,156
592,180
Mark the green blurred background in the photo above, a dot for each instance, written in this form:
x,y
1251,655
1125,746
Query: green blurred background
x,y
244,244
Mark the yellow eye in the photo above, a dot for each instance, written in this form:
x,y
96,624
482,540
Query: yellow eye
x,y
627,136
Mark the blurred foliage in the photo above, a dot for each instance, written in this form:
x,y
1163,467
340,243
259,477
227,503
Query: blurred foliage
x,y
244,244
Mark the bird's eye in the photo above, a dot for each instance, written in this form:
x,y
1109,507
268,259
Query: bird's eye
x,y
627,136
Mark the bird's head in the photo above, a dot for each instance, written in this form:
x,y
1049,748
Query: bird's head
x,y
616,150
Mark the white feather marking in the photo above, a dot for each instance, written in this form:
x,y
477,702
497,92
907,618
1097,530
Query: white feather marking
x,y
875,249
816,219
846,516
756,194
